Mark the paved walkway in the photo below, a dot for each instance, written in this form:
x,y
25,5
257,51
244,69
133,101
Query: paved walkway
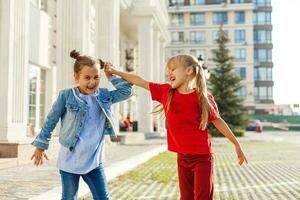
x,y
273,172
43,182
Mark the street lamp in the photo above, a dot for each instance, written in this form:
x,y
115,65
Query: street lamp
x,y
204,67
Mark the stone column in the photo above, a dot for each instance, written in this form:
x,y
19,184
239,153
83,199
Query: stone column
x,y
145,70
107,38
14,23
73,32
162,79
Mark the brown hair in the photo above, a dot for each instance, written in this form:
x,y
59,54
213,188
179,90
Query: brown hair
x,y
82,60
199,84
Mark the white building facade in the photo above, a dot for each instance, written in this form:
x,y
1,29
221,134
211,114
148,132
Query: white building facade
x,y
36,37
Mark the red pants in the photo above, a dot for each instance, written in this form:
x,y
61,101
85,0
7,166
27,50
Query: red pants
x,y
195,174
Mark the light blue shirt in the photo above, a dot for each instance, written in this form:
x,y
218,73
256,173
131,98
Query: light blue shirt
x,y
89,149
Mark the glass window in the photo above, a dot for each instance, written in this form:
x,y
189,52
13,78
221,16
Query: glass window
x,y
177,37
240,36
262,55
241,72
240,54
36,95
197,2
262,2
242,92
197,19
219,1
262,74
239,17
220,18
261,18
198,52
215,35
262,36
263,93
197,37
176,2
177,19
238,1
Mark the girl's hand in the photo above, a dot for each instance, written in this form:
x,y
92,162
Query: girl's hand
x,y
38,155
241,156
108,69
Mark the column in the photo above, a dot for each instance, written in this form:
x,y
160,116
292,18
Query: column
x,y
156,68
14,22
107,39
145,70
162,69
73,32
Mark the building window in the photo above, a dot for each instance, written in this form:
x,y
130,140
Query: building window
x,y
263,93
219,1
240,36
220,18
262,36
261,18
197,18
240,55
262,2
215,35
239,17
238,1
262,55
242,92
197,2
177,37
197,37
36,96
176,2
177,19
262,74
241,72
198,52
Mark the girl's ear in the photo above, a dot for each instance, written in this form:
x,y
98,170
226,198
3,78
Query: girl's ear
x,y
76,77
190,70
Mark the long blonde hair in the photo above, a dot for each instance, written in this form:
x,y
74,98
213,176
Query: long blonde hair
x,y
199,83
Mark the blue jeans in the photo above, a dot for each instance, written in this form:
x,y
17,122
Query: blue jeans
x,y
95,179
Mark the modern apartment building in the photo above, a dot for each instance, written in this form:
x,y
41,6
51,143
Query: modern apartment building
x,y
194,25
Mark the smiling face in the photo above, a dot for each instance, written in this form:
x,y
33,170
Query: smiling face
x,y
178,74
88,79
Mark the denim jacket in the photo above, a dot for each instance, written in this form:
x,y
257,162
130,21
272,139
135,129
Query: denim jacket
x,y
71,110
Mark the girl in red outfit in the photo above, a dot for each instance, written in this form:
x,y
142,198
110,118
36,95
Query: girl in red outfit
x,y
188,109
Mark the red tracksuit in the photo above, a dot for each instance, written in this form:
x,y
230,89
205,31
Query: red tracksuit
x,y
192,145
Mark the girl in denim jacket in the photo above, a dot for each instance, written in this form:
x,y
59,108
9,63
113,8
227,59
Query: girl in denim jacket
x,y
86,116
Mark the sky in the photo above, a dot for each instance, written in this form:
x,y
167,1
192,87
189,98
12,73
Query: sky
x,y
286,51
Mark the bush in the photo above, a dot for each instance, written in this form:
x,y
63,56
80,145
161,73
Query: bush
x,y
238,132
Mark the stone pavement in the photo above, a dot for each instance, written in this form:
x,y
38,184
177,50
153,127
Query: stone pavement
x,y
43,182
273,172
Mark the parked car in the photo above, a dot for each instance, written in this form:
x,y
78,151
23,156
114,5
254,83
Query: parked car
x,y
254,125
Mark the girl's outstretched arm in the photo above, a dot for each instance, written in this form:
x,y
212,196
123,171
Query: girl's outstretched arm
x,y
221,125
131,78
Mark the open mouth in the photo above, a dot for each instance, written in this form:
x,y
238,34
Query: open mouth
x,y
91,88
172,79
